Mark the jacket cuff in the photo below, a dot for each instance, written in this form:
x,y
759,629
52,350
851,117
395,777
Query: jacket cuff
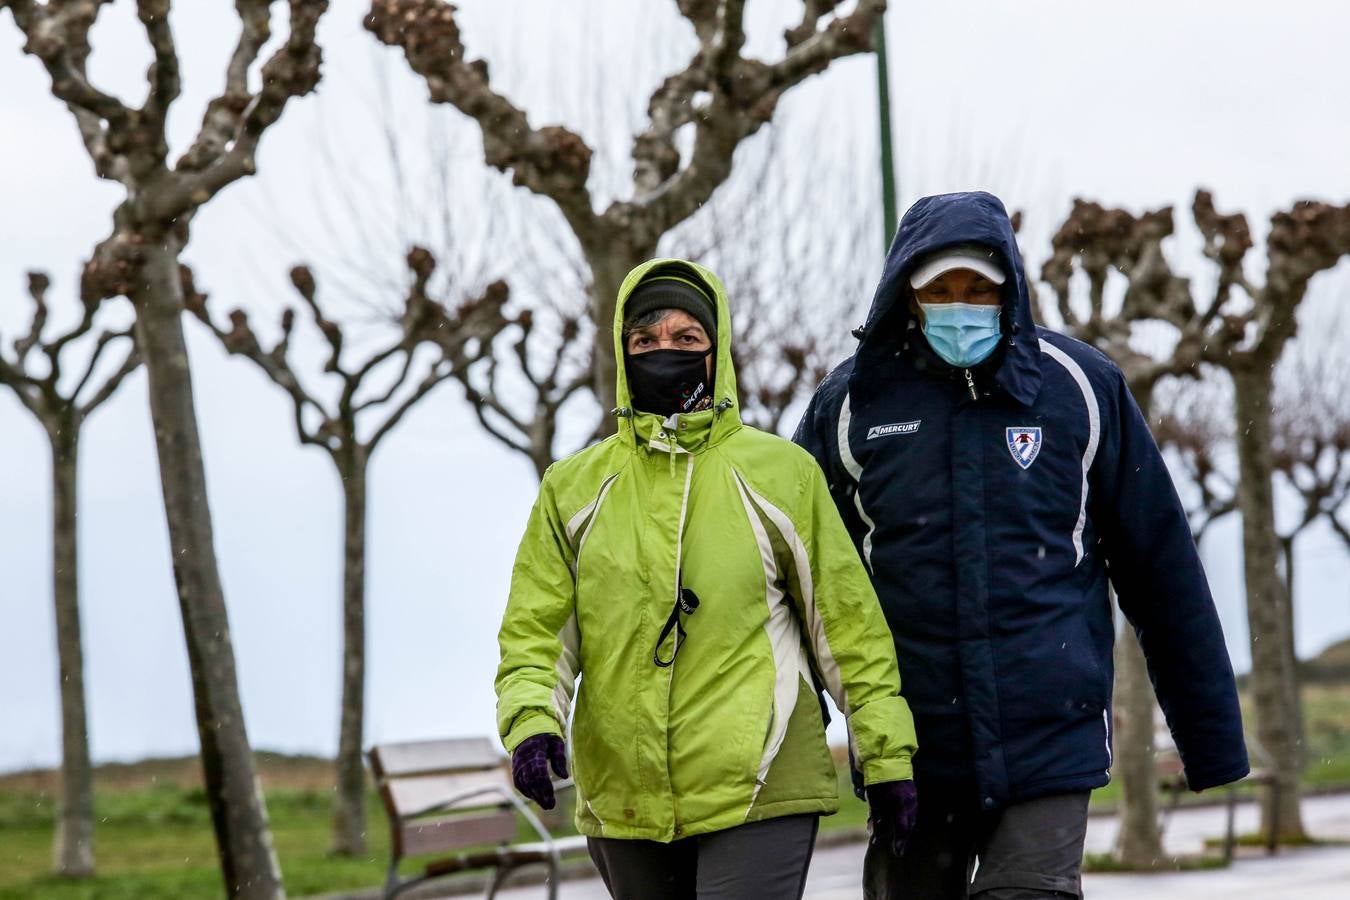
x,y
883,739
528,725
1200,781
879,771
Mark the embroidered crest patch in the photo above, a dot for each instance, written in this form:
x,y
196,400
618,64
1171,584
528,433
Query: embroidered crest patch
x,y
1024,444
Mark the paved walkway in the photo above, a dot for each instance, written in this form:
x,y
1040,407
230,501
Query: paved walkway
x,y
1321,873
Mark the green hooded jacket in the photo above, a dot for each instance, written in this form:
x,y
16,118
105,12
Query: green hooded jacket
x,y
732,732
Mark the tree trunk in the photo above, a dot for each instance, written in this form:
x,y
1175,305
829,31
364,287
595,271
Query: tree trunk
x,y
1287,547
349,810
1139,842
73,851
1274,692
234,795
610,262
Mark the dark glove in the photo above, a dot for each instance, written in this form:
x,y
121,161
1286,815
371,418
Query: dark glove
x,y
529,767
895,806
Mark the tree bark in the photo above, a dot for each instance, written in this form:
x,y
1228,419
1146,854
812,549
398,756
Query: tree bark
x,y
349,810
234,795
1273,679
1287,549
73,850
1139,841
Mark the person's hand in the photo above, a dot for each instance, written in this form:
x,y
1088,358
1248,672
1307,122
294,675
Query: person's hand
x,y
529,767
895,806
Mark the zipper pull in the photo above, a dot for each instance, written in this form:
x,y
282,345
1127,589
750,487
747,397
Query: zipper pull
x,y
970,385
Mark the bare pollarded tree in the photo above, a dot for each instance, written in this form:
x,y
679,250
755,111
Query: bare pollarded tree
x,y
793,251
1242,326
368,399
1099,245
1259,320
1311,429
62,398
723,96
139,259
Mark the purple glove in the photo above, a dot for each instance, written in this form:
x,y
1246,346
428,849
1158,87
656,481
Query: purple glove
x,y
529,767
895,806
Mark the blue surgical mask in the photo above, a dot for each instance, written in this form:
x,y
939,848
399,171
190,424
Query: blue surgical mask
x,y
963,334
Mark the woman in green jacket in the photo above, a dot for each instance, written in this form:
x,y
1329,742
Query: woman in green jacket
x,y
696,576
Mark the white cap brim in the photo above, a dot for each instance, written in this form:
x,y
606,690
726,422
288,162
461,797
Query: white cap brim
x,y
956,259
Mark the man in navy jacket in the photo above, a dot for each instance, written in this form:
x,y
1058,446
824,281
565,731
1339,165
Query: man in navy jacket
x,y
994,476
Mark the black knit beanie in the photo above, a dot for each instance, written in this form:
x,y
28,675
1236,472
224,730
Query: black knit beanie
x,y
673,292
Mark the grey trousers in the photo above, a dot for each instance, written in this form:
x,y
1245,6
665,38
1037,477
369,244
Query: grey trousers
x,y
1028,851
759,861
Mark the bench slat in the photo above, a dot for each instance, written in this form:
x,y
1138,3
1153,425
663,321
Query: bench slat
x,y
423,792
422,836
515,854
419,757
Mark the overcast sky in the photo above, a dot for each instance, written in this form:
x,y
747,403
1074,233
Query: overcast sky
x,y
1132,104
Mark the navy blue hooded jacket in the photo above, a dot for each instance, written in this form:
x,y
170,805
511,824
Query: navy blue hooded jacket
x,y
991,505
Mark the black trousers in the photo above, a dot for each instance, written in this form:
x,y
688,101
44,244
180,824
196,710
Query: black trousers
x,y
1028,851
758,861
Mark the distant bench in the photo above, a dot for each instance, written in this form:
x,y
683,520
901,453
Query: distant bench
x,y
454,799
1172,782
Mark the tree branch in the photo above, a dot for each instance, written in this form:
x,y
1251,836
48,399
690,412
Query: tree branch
x,y
743,95
104,339
129,364
551,161
224,113
291,72
303,280
165,82
438,373
241,340
58,35
42,394
38,282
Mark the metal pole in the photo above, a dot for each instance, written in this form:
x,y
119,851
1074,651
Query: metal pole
x,y
884,115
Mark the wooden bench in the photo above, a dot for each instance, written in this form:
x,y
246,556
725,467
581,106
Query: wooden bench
x,y
1172,782
454,799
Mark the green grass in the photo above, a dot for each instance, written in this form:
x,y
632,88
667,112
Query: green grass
x,y
157,842
153,836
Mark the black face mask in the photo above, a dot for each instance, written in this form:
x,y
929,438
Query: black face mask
x,y
666,382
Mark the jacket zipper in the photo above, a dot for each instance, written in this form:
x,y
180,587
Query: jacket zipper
x,y
970,385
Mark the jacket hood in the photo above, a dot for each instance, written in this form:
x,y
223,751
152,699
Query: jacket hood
x,y
944,220
724,417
